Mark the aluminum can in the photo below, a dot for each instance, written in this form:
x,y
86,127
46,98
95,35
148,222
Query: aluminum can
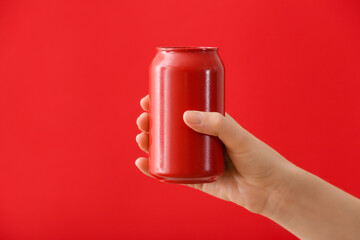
x,y
181,79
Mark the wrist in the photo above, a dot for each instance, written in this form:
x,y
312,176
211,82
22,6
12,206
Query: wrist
x,y
311,208
283,194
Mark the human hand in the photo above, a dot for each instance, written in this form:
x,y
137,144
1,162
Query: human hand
x,y
259,179
254,171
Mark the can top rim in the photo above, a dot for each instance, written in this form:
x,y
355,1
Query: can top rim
x,y
187,49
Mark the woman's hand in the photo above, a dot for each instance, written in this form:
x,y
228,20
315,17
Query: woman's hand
x,y
254,171
259,179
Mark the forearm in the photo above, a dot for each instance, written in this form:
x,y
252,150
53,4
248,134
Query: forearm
x,y
311,208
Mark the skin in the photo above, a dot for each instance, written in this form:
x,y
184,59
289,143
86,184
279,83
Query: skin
x,y
261,180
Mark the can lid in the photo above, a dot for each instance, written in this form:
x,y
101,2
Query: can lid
x,y
188,49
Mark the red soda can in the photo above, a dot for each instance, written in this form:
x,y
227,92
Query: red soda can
x,y
181,79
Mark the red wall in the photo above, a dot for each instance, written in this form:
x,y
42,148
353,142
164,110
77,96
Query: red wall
x,y
72,74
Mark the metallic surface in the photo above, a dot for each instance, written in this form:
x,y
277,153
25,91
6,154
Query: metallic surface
x,y
184,78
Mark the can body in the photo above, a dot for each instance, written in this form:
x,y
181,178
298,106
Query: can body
x,y
181,79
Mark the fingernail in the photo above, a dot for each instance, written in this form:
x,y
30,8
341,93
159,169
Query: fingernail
x,y
193,117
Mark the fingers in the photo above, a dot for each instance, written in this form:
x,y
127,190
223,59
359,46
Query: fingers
x,y
143,141
143,138
144,103
143,122
143,165
235,138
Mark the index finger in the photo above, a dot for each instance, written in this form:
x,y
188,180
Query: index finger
x,y
144,103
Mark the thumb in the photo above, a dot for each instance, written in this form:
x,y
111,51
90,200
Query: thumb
x,y
235,138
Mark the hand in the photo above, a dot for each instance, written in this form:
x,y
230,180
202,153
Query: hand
x,y
254,171
262,181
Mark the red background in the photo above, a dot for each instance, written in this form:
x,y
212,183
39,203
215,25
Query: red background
x,y
71,77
